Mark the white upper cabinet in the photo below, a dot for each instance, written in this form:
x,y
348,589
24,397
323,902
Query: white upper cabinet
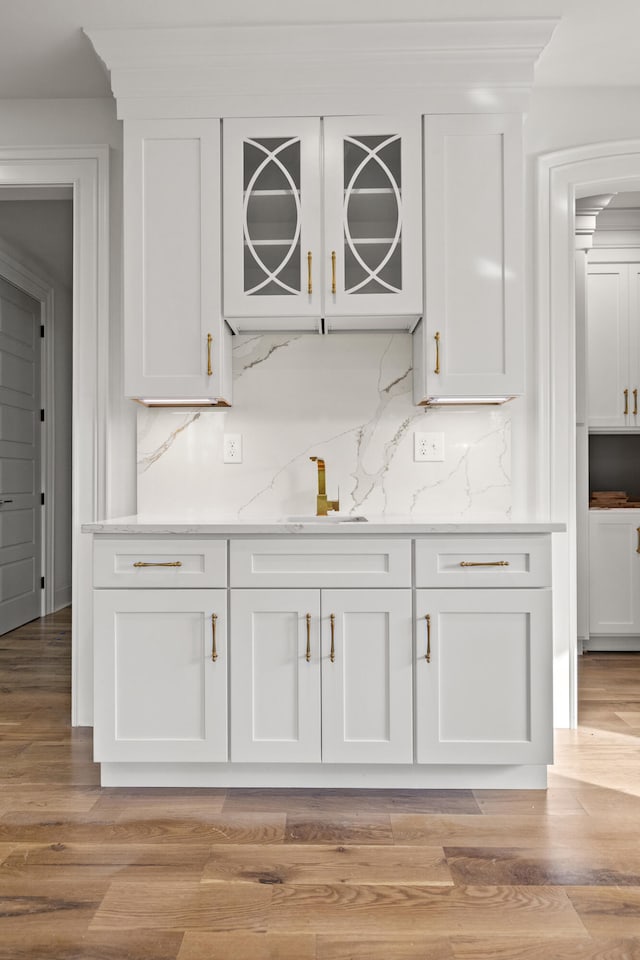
x,y
322,221
613,345
470,343
614,566
177,347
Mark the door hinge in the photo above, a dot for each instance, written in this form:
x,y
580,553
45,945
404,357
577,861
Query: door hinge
x,y
42,583
42,499
42,331
42,416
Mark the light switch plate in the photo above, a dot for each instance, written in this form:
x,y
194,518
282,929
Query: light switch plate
x,y
232,444
428,446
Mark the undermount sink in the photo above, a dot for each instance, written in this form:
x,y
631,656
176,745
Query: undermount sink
x,y
330,518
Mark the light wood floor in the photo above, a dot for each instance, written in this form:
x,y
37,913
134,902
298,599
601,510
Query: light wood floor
x,y
87,873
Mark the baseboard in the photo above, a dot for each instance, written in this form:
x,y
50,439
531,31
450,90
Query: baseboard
x,y
62,598
611,644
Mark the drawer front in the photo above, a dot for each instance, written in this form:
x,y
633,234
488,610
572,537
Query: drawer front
x,y
484,562
159,563
320,563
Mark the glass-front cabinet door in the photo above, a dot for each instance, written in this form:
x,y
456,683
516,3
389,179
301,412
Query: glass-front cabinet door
x,y
373,219
272,222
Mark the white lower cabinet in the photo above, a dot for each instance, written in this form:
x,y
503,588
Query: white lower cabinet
x,y
614,573
321,675
483,676
161,675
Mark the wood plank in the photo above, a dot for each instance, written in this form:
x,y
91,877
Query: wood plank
x,y
615,865
339,829
303,803
399,947
608,912
551,948
256,946
93,860
292,863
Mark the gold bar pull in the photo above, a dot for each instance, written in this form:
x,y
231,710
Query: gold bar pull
x,y
214,651
638,547
209,367
308,654
332,621
626,402
143,563
333,271
428,654
309,278
635,402
437,340
484,563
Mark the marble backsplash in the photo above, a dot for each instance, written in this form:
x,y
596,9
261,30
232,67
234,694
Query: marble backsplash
x,y
343,397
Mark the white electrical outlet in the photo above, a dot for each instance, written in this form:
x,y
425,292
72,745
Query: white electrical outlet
x,y
232,448
428,446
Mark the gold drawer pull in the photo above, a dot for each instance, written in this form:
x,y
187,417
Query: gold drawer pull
x,y
428,654
484,563
437,340
309,277
626,402
143,563
333,271
209,367
214,650
308,653
332,621
635,402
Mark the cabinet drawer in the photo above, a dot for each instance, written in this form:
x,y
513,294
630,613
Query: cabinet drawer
x,y
483,562
320,563
159,563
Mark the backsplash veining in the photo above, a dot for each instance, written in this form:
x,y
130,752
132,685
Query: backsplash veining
x,y
343,397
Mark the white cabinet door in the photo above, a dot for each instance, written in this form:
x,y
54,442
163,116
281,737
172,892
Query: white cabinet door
x,y
177,346
471,340
483,676
608,345
634,345
373,223
275,676
160,678
614,572
272,222
367,714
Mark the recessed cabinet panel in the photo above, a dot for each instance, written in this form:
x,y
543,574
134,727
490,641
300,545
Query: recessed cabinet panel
x,y
614,568
472,341
483,562
176,343
483,676
160,675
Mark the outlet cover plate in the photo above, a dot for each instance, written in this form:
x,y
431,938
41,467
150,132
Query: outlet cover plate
x,y
428,446
232,448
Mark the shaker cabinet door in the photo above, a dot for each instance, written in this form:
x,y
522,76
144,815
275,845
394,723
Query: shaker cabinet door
x,y
614,572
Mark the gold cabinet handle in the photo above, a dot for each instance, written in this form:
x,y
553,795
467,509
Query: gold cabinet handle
x,y
332,621
635,402
333,271
437,340
214,650
638,547
626,402
308,654
143,563
484,563
428,653
209,367
309,277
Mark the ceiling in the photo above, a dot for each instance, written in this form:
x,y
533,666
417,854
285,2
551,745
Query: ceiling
x,y
44,54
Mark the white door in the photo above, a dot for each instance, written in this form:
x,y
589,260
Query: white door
x,y
271,171
614,572
275,676
160,667
634,344
483,676
373,221
608,391
367,714
20,509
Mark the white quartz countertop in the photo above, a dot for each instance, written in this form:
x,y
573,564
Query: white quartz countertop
x,y
311,526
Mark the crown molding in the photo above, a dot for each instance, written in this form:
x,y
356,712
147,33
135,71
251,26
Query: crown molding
x,y
432,66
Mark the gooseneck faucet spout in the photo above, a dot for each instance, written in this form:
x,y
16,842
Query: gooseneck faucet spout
x,y
323,506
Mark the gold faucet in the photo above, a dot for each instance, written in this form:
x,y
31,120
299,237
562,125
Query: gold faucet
x,y
323,505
